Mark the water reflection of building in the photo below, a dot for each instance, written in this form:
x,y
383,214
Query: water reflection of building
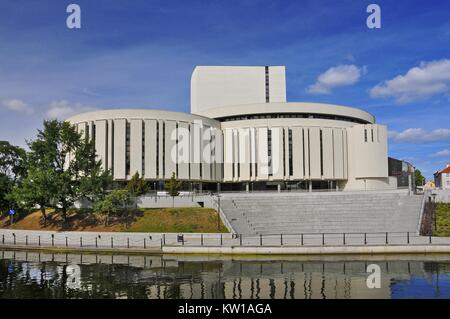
x,y
200,277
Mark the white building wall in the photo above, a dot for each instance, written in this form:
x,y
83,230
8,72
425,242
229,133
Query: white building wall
x,y
135,147
297,152
206,153
119,149
242,144
338,154
110,143
219,158
262,158
327,152
228,155
244,153
367,159
216,86
236,156
170,149
100,142
277,84
183,150
150,149
253,154
286,153
277,153
314,152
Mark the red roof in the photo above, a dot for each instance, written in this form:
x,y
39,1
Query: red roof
x,y
445,170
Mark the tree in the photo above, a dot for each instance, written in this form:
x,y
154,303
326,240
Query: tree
x,y
112,204
13,168
94,181
137,186
173,187
75,171
38,188
420,180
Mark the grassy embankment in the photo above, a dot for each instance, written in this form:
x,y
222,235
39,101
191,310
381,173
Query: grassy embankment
x,y
188,220
442,220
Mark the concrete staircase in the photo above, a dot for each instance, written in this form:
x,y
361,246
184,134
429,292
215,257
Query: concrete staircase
x,y
322,212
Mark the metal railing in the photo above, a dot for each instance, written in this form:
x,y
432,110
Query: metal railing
x,y
156,242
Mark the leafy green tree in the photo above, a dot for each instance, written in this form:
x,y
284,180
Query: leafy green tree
x,y
75,171
94,181
38,188
13,166
420,180
173,186
112,204
137,186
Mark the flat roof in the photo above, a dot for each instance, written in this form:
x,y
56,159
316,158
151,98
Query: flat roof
x,y
287,107
110,114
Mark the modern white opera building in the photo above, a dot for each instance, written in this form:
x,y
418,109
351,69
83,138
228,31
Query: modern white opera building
x,y
242,134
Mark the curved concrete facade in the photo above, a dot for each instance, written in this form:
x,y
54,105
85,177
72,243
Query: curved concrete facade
x,y
289,110
154,143
249,142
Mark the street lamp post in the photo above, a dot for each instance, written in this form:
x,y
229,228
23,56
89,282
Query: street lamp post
x,y
434,211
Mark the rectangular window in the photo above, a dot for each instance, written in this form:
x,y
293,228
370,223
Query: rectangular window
x,y
256,153
303,144
291,169
372,135
143,148
112,148
269,150
163,149
105,164
190,150
309,155
127,148
267,84
365,135
157,149
176,147
213,156
93,132
321,153
232,166
284,153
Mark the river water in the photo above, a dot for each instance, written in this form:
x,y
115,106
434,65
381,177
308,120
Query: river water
x,y
44,275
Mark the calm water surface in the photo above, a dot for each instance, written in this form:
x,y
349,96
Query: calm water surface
x,y
44,275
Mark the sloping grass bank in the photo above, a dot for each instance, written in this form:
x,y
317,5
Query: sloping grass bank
x,y
442,220
168,220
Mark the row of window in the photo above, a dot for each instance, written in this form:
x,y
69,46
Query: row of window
x,y
159,127
292,115
290,154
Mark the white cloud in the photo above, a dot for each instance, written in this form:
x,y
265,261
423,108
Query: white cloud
x,y
337,76
63,109
17,106
443,153
418,135
426,80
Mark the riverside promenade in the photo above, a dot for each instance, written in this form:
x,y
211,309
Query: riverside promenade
x,y
224,244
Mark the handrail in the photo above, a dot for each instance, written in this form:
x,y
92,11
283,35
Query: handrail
x,y
223,216
422,208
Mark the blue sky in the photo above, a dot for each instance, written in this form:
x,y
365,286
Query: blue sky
x,y
141,54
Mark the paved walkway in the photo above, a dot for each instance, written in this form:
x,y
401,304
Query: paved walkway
x,y
156,241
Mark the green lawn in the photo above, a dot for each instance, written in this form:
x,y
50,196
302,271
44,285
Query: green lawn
x,y
442,220
179,220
